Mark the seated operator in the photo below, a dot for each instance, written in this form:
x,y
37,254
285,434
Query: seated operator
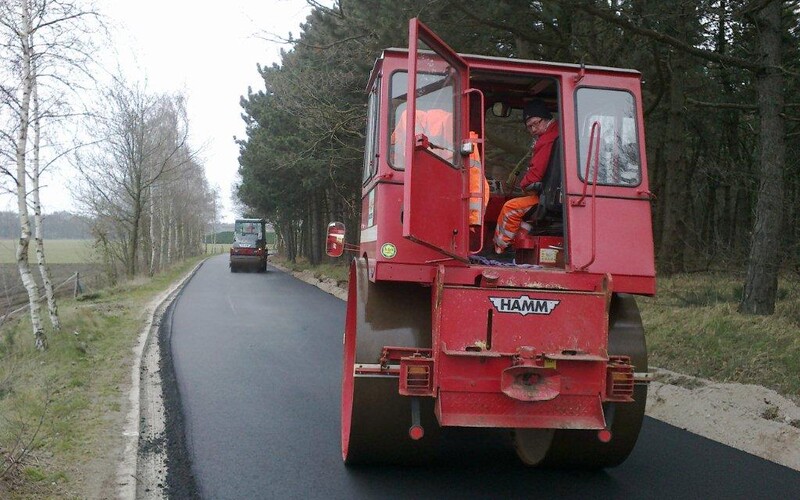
x,y
541,125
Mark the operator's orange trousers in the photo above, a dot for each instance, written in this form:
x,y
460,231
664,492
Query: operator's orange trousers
x,y
509,220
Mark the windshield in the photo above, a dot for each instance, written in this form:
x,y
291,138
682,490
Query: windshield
x,y
248,231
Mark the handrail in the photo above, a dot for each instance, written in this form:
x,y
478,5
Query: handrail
x,y
594,147
593,139
480,193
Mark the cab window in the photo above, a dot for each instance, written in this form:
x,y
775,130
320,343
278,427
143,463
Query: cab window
x,y
370,157
434,115
607,119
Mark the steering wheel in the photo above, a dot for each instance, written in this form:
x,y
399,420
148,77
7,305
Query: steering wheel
x,y
513,177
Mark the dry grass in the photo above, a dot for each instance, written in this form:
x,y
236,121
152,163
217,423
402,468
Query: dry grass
x,y
693,327
338,271
61,410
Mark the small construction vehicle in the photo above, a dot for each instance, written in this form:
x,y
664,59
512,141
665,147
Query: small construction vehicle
x,y
249,248
439,331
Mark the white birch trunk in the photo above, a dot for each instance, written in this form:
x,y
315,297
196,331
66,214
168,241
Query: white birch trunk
x,y
171,232
176,242
163,238
152,211
52,306
40,339
179,238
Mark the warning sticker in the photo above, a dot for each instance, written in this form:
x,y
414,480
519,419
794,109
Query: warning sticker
x,y
388,250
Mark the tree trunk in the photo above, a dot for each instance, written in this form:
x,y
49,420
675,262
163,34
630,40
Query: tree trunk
x,y
134,237
52,306
761,287
153,253
671,249
179,240
170,234
40,339
162,246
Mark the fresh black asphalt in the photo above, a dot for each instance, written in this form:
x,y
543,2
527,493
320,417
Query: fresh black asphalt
x,y
257,361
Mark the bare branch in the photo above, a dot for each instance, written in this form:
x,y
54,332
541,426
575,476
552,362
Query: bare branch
x,y
723,105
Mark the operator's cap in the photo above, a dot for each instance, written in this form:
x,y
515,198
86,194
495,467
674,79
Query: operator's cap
x,y
536,108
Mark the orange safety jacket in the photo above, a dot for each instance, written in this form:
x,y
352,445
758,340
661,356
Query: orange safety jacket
x,y
478,198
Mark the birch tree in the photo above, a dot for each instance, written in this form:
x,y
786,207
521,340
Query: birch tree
x,y
44,272
41,40
132,180
22,29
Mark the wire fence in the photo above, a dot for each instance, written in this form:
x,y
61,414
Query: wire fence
x,y
14,297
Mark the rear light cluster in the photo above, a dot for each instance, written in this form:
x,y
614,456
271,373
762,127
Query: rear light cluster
x,y
247,251
619,382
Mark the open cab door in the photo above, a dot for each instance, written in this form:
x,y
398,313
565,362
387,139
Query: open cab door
x,y
436,191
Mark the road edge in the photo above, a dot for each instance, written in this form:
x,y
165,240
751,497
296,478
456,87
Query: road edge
x,y
144,398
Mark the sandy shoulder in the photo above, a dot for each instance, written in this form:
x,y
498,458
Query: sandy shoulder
x,y
747,417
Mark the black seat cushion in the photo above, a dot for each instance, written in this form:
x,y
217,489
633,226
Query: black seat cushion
x,y
547,218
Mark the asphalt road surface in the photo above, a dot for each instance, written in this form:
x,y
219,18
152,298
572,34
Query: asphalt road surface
x,y
257,363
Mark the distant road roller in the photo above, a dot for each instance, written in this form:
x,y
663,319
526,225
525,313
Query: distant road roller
x,y
544,339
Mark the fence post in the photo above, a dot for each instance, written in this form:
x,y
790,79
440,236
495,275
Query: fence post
x,y
78,288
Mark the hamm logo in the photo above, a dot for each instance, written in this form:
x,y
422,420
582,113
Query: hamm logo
x,y
524,305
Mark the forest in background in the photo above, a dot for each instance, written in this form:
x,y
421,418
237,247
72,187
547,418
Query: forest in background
x,y
722,116
57,226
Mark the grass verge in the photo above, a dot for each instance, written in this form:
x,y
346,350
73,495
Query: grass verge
x,y
692,327
61,411
337,271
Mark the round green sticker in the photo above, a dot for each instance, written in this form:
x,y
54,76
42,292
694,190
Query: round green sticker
x,y
388,250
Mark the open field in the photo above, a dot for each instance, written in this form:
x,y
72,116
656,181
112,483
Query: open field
x,y
212,249
64,259
56,252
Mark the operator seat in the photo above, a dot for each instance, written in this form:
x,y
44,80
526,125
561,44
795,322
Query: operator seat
x,y
547,217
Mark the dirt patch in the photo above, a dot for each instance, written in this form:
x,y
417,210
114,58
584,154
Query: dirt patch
x,y
747,417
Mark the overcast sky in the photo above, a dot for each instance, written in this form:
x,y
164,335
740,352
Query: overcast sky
x,y
208,51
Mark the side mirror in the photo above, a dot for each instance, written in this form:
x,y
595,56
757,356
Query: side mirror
x,y
334,243
501,109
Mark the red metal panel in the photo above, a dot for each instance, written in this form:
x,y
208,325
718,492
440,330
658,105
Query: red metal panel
x,y
388,230
404,272
550,321
642,285
435,213
477,373
511,277
485,341
610,231
620,232
465,409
